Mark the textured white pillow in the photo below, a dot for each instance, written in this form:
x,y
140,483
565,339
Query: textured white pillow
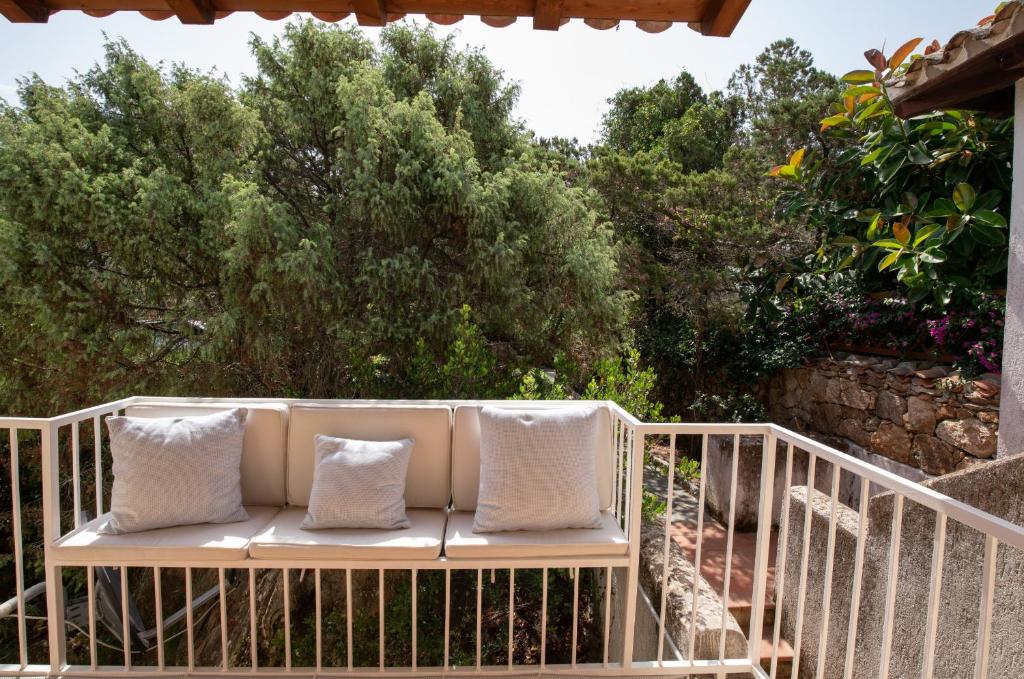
x,y
175,471
358,484
537,470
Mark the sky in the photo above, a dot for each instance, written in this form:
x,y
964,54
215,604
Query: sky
x,y
566,76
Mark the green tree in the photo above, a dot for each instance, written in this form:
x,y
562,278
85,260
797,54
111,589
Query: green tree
x,y
782,95
316,233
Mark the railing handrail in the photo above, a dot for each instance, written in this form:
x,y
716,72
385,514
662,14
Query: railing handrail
x,y
1006,532
629,439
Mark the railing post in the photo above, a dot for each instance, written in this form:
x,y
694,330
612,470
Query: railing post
x,y
636,475
50,454
761,557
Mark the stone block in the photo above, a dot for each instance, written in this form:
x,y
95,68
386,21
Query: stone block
x,y
890,407
834,391
855,431
970,435
892,441
935,456
920,415
853,396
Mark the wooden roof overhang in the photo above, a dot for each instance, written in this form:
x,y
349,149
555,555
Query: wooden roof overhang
x,y
710,17
975,70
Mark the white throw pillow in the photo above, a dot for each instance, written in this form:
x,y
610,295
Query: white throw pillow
x,y
537,470
175,471
358,484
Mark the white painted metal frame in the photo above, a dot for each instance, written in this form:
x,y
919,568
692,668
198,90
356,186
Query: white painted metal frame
x,y
630,439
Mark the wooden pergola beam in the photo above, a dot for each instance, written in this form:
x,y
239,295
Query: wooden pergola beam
x,y
370,12
722,16
25,11
547,15
192,11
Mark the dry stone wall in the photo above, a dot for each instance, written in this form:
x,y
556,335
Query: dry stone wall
x,y
921,415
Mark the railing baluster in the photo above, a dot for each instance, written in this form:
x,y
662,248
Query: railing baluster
x,y
90,595
97,444
780,565
730,535
607,611
447,611
858,574
253,646
700,541
380,618
76,471
287,593
189,621
934,596
348,616
804,555
669,496
988,588
19,559
159,611
830,550
544,619
628,473
318,606
890,593
479,613
762,549
415,622
125,622
511,613
575,613
223,620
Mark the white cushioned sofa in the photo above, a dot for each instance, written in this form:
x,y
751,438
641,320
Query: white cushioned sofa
x,y
441,493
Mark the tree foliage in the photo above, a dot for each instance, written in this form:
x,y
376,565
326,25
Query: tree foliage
x,y
349,216
921,203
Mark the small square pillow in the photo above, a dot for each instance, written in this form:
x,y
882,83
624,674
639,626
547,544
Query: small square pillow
x,y
175,471
537,470
358,484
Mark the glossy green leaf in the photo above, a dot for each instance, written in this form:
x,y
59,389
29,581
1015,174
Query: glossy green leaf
x,y
990,218
925,232
986,235
963,197
889,260
859,76
888,244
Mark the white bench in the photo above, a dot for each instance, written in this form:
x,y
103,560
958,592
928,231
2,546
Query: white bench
x,y
277,474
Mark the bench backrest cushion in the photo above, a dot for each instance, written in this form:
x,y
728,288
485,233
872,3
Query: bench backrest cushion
x,y
466,455
428,480
263,446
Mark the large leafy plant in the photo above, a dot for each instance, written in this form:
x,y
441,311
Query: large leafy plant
x,y
920,202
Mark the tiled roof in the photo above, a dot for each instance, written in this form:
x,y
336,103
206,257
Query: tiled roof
x,y
974,69
710,17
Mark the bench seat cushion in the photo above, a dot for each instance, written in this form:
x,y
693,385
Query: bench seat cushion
x,y
283,539
182,545
460,542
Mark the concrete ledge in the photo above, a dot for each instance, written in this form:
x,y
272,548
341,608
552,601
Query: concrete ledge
x,y
679,604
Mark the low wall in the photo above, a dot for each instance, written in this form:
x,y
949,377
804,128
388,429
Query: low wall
x,y
996,488
922,417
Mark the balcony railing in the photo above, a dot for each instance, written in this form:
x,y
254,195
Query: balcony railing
x,y
75,479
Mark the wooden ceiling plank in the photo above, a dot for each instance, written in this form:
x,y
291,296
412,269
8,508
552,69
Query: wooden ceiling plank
x,y
547,15
192,11
370,12
25,11
722,16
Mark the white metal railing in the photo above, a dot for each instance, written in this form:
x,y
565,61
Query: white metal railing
x,y
613,608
